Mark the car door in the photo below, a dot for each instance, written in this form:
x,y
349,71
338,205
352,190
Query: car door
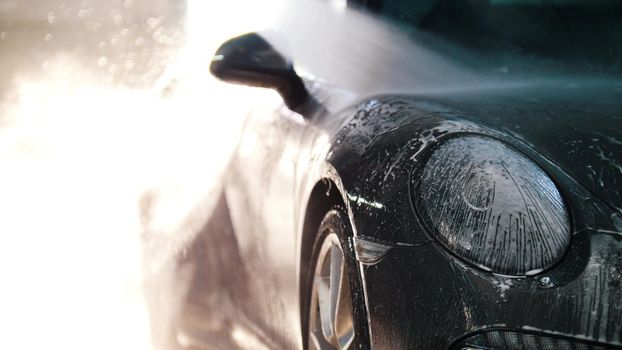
x,y
260,195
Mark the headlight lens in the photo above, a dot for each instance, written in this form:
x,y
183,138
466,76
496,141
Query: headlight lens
x,y
492,206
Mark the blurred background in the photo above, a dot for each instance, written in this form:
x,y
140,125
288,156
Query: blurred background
x,y
113,138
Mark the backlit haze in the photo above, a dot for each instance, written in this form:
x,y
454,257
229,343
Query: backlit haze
x,y
104,175
114,139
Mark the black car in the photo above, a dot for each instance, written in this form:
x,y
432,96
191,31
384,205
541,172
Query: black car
x,y
458,218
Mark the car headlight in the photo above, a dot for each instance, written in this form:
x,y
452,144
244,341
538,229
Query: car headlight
x,y
492,206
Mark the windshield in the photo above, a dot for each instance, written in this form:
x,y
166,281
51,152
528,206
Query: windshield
x,y
566,34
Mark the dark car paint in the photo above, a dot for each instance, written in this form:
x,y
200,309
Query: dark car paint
x,y
368,154
579,298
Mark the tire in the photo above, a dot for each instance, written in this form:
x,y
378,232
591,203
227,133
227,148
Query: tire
x,y
334,308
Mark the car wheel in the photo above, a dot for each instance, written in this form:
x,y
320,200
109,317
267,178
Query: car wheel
x,y
336,309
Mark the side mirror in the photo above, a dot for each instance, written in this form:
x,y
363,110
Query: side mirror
x,y
251,60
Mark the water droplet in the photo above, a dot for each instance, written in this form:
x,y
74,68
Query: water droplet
x,y
51,18
117,19
3,35
114,40
48,37
93,25
153,22
128,65
83,13
546,282
102,61
158,35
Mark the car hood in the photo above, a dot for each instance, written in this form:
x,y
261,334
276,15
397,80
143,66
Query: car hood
x,y
577,125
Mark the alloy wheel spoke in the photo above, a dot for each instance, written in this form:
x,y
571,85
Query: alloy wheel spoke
x,y
332,325
344,323
324,303
336,273
318,342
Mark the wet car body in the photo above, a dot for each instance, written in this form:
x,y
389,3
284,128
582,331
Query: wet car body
x,y
445,297
368,156
418,295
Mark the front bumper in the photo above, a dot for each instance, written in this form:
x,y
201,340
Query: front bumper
x,y
424,298
515,340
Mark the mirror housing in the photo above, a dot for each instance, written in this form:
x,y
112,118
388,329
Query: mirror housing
x,y
250,60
